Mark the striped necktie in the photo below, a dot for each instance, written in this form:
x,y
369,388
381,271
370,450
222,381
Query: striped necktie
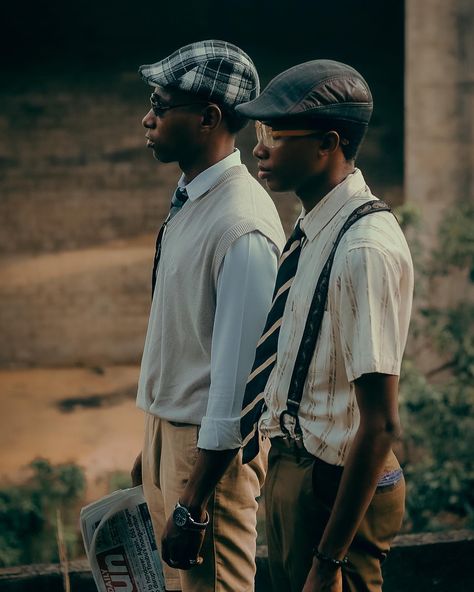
x,y
265,356
177,201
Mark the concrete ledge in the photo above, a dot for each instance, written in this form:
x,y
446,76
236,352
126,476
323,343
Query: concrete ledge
x,y
431,562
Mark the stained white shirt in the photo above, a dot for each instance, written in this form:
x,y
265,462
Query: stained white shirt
x,y
365,325
244,290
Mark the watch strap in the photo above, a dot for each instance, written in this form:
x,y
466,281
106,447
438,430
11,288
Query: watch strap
x,y
192,524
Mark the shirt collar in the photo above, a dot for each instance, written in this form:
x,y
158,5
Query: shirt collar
x,y
205,180
314,221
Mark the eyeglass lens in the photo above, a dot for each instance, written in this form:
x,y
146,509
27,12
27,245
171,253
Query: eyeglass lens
x,y
264,134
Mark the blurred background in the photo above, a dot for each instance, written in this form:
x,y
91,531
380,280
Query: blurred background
x,y
81,200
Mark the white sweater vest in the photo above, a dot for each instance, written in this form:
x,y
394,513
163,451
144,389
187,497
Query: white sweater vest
x,y
175,371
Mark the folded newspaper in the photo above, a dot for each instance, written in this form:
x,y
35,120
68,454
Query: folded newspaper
x,y
120,543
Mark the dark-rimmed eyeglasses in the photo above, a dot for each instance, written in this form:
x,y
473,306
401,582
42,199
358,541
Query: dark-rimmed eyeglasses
x,y
159,109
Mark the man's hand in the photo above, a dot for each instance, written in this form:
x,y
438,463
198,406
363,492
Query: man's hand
x,y
136,472
180,548
323,578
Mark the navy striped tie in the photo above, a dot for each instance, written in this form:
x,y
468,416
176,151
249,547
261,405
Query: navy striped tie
x,y
265,356
177,201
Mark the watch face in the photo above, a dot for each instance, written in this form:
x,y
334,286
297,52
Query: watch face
x,y
180,516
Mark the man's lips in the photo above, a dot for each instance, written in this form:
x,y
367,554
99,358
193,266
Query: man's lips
x,y
263,173
149,143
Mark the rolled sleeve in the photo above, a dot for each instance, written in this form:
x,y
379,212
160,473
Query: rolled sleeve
x,y
367,311
244,291
219,433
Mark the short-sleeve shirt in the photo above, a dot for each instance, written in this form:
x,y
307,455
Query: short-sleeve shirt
x,y
365,324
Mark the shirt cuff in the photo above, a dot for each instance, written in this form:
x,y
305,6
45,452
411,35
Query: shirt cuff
x,y
220,434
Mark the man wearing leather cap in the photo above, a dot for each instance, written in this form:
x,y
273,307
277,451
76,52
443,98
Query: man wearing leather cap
x,y
324,384
214,269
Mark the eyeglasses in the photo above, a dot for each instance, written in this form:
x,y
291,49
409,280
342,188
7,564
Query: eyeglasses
x,y
269,137
159,109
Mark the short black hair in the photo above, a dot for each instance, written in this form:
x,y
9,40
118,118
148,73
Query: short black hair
x,y
353,133
233,121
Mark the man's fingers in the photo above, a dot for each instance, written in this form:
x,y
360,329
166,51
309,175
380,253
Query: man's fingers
x,y
136,472
172,557
180,562
180,550
172,563
198,561
164,551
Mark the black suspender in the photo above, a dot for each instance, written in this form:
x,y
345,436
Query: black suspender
x,y
313,324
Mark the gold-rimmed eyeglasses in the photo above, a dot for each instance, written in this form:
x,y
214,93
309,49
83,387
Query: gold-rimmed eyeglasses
x,y
269,136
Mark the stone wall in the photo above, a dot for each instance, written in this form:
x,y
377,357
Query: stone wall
x,y
80,202
74,170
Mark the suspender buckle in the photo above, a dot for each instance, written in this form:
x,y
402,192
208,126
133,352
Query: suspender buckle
x,y
290,426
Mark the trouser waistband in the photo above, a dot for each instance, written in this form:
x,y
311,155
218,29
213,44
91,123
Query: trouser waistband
x,y
297,449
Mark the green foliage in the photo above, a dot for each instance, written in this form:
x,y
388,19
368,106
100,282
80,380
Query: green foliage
x,y
439,438
119,480
456,241
452,333
28,513
19,519
408,216
438,408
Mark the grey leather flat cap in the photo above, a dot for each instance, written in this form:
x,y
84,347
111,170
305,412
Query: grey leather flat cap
x,y
319,89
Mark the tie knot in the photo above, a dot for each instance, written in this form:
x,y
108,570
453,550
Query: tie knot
x,y
179,197
298,232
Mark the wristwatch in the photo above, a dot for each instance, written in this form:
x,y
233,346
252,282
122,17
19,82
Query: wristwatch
x,y
183,519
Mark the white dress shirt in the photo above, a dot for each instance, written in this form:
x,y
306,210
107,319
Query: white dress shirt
x,y
365,325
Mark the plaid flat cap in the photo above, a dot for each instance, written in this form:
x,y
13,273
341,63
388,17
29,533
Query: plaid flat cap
x,y
319,89
216,70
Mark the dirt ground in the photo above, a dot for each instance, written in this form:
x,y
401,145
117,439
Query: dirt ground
x,y
82,415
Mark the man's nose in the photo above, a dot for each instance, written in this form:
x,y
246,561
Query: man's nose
x,y
260,151
149,121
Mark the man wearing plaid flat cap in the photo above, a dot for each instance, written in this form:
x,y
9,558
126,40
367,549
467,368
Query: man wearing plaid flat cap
x,y
324,385
213,274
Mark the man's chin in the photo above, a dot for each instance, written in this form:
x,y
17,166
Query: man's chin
x,y
161,157
275,185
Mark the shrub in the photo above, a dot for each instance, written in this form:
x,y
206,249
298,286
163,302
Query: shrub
x,y
438,408
28,513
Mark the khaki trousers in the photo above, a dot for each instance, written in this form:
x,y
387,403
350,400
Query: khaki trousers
x,y
169,453
298,503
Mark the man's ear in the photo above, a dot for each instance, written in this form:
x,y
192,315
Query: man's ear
x,y
211,117
330,142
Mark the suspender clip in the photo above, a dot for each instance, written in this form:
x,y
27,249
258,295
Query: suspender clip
x,y
290,426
